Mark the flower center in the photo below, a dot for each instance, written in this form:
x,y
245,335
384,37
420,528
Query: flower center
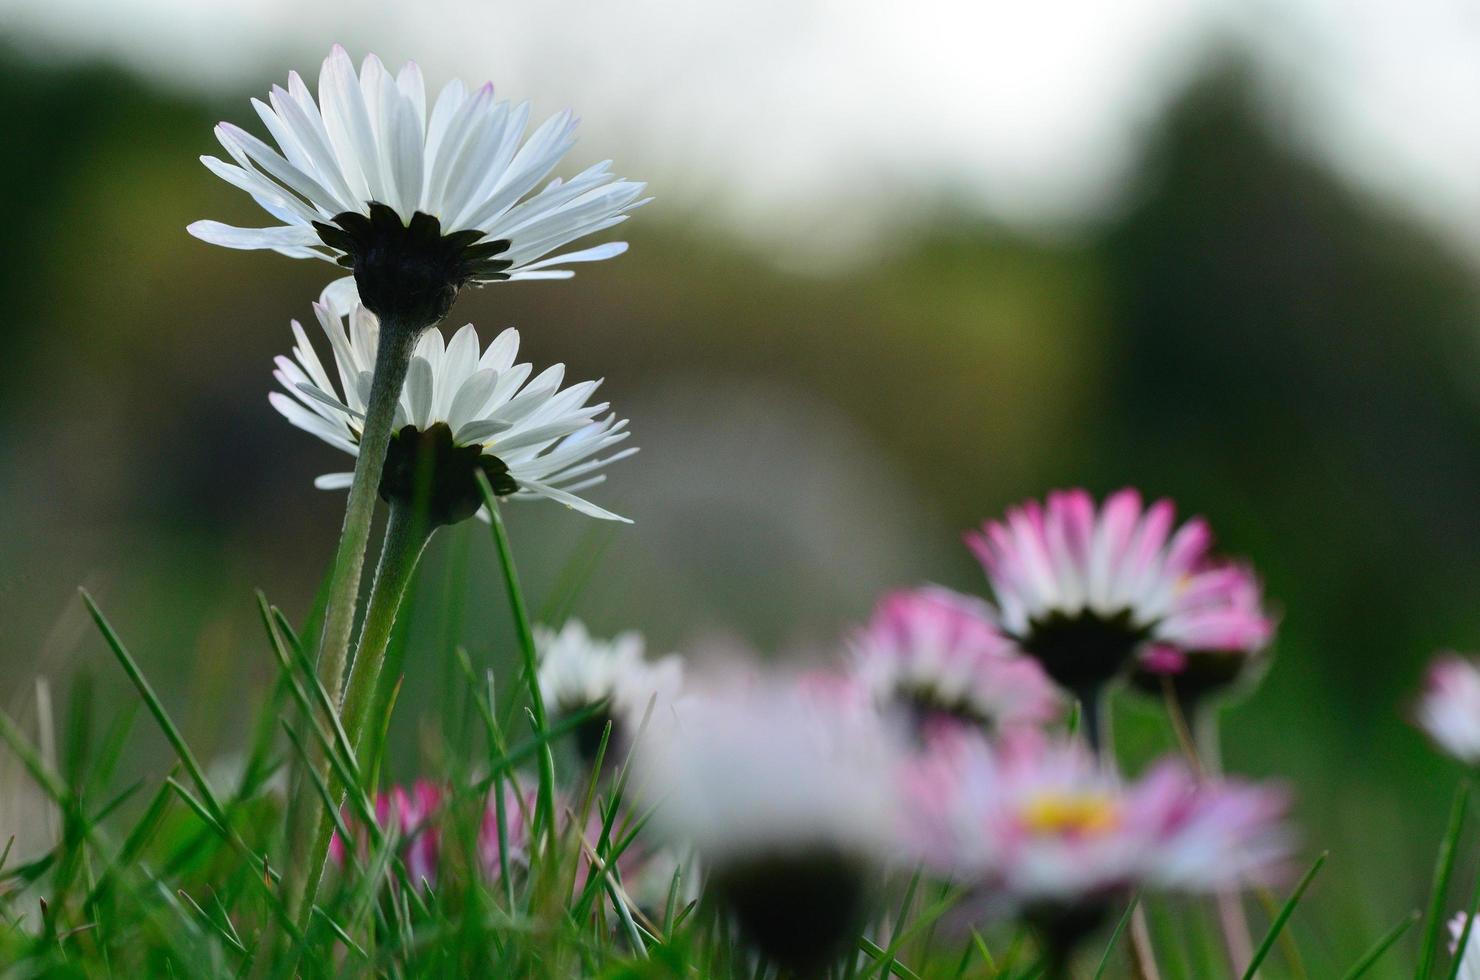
x,y
928,708
1070,815
1085,651
410,274
798,908
428,470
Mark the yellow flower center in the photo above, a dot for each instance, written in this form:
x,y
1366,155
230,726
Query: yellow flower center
x,y
1065,814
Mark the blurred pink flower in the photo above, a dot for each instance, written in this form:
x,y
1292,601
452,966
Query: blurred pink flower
x,y
1212,636
414,816
938,657
1038,825
1084,588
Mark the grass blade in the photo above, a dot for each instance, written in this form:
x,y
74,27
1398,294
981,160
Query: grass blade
x,y
1125,920
530,656
156,708
1443,870
1288,910
1381,946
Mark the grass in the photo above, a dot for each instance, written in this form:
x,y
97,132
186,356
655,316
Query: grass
x,y
180,874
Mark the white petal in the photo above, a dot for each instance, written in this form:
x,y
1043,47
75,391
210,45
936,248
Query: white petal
x,y
231,237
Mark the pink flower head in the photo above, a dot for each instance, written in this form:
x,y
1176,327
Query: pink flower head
x,y
1039,825
938,655
412,816
1082,588
409,815
1449,708
1215,631
519,804
1219,608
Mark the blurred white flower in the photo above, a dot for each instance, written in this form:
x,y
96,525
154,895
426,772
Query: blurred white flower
x,y
790,803
1449,708
578,671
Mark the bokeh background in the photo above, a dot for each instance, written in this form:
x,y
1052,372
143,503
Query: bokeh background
x,y
908,264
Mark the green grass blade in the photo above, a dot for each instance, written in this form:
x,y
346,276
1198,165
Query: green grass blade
x,y
1125,920
1443,870
525,633
1285,912
156,708
885,960
1381,946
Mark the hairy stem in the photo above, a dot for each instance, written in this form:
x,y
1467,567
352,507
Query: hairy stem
x,y
393,358
406,537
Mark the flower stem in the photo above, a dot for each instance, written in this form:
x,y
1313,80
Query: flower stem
x,y
1202,721
393,358
406,537
1095,720
545,803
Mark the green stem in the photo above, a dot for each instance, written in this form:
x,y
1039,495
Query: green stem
x,y
393,358
406,537
545,804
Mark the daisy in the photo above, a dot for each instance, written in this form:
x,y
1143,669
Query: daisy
x,y
937,657
1449,708
578,671
409,815
413,815
1040,830
462,412
417,200
1469,964
1212,638
789,803
1081,590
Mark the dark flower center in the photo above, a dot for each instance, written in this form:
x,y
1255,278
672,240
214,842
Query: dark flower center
x,y
1204,672
429,471
1062,927
1084,652
928,709
799,909
410,274
588,734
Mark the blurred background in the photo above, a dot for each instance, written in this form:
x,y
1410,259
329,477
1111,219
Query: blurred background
x,y
908,264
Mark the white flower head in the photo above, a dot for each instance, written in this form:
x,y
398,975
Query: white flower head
x,y
770,766
1469,964
578,671
789,801
1449,708
462,412
416,199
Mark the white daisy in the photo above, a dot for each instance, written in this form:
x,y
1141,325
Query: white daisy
x,y
789,802
1469,964
578,671
460,413
416,202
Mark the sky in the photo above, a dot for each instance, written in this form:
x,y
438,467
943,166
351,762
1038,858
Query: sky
x,y
816,128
